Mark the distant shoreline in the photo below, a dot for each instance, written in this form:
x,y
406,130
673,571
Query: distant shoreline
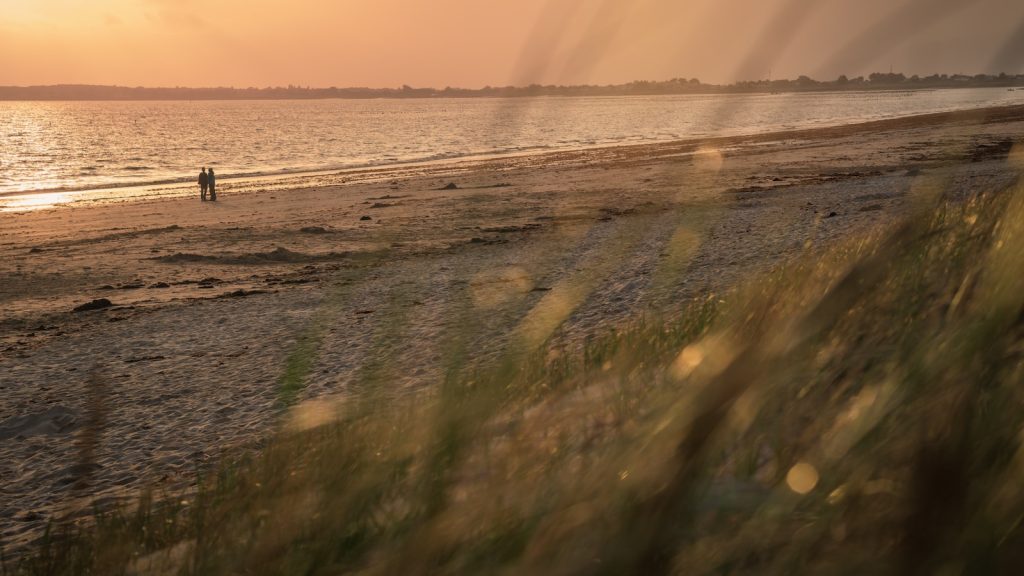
x,y
446,167
677,86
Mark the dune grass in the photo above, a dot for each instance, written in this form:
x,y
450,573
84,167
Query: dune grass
x,y
858,411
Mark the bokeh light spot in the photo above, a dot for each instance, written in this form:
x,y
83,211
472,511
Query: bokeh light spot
x,y
802,478
708,160
1016,156
688,360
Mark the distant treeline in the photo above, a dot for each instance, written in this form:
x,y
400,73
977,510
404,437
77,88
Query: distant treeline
x,y
876,81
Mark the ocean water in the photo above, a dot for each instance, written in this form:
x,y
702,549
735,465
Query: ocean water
x,y
61,146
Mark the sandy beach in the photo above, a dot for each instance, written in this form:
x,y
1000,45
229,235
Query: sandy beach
x,y
199,305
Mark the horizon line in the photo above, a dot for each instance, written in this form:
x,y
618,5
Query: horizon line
x,y
693,80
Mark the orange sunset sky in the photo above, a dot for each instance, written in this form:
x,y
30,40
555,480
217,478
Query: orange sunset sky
x,y
472,43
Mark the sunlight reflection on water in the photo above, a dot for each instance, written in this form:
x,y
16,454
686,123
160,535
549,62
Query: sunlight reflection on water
x,y
51,146
27,202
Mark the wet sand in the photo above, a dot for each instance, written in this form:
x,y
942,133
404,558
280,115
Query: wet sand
x,y
383,267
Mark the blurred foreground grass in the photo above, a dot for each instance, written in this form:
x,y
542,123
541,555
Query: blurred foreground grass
x,y
858,411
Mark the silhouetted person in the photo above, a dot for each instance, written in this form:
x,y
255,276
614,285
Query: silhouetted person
x,y
204,182
212,180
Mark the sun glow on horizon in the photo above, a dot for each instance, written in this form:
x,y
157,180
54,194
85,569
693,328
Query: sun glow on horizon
x,y
467,43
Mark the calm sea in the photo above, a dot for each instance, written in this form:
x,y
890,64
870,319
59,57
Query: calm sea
x,y
51,146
